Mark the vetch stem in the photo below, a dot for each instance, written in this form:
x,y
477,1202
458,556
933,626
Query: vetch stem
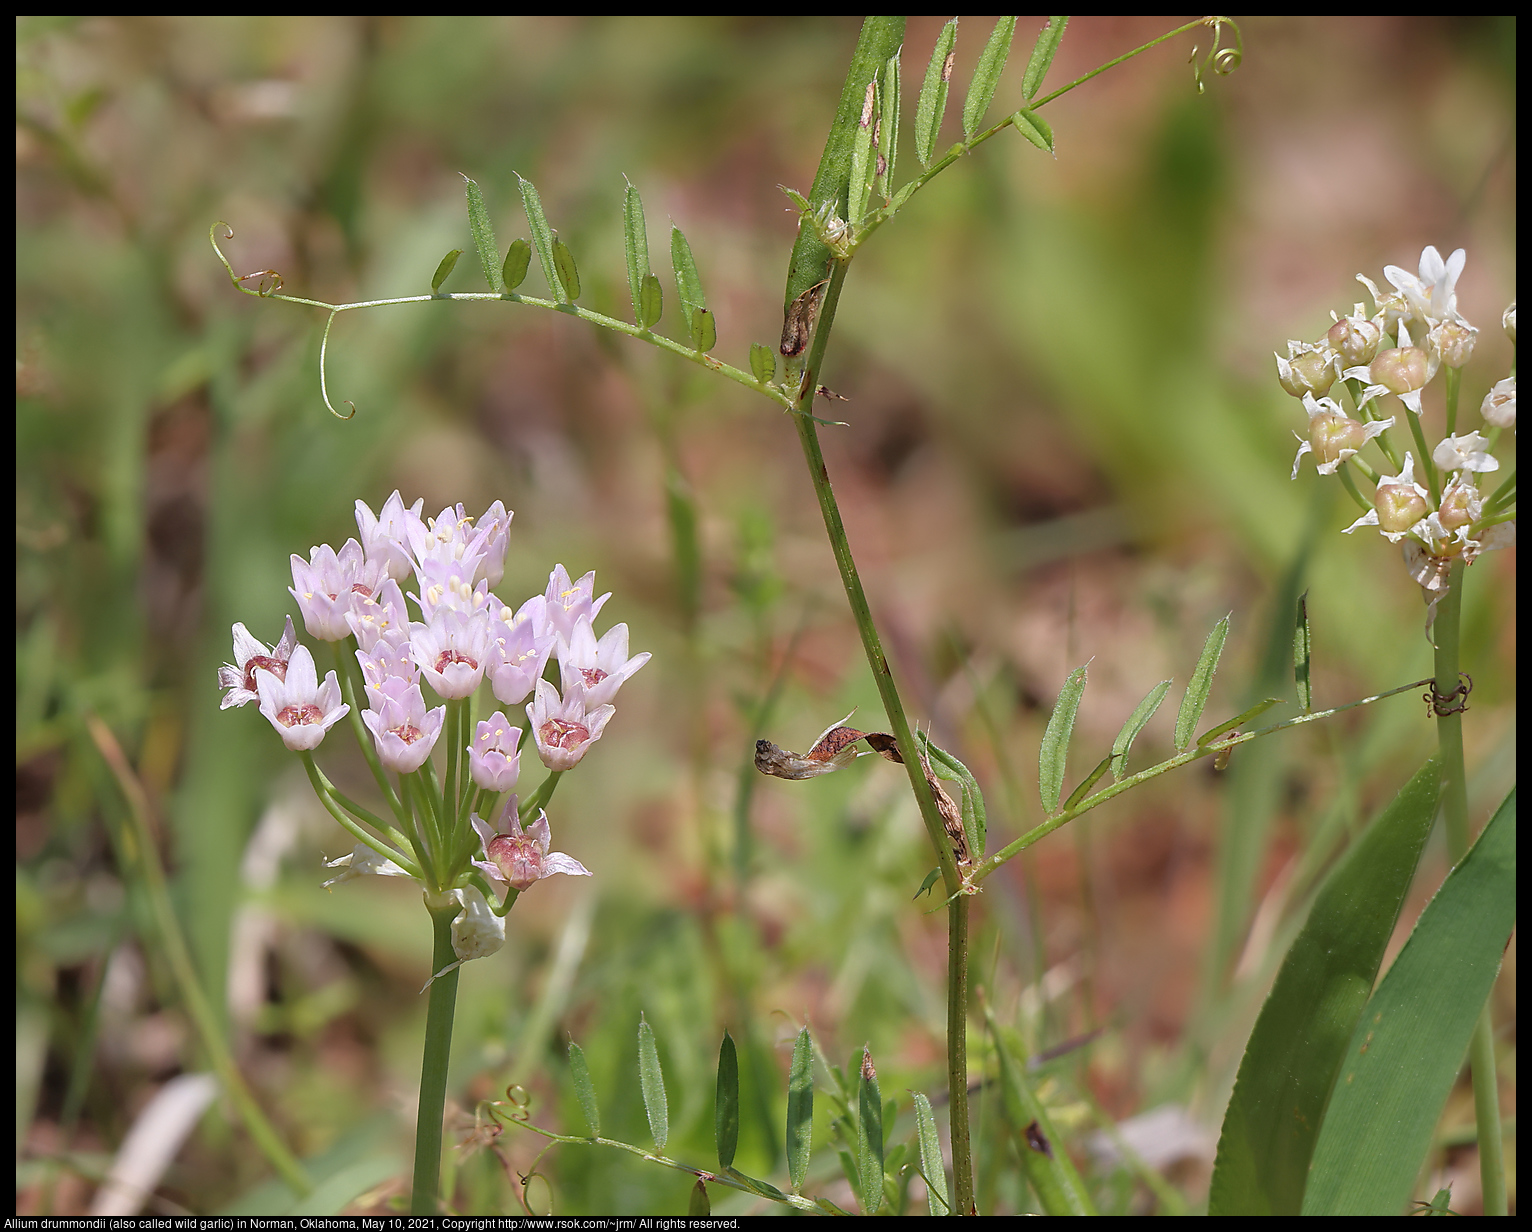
x,y
957,907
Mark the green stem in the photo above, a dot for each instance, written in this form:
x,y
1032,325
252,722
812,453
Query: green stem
x,y
877,661
433,1062
957,1053
1449,733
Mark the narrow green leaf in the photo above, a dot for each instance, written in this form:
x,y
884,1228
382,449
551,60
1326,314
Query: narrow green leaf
x,y
1136,723
1239,720
1034,128
1302,647
863,158
1055,747
986,77
726,1107
651,302
579,1073
704,330
869,1136
1043,1157
931,879
483,236
903,195
564,267
1090,780
932,104
1299,1040
517,257
699,1207
1405,1053
880,37
444,269
931,1166
688,283
542,234
800,1108
1201,684
763,362
886,138
652,1083
1043,51
635,236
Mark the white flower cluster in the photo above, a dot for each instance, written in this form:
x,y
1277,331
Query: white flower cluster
x,y
1437,514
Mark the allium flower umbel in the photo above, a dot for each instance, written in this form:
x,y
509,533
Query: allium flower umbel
x,y
459,636
1420,316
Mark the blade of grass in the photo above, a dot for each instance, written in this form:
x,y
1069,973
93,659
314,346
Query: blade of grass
x,y
1405,1053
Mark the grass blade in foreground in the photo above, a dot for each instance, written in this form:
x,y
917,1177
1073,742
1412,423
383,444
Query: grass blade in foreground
x,y
1299,1039
1406,1052
1059,1186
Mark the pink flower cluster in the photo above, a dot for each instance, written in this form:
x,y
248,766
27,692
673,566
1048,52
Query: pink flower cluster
x,y
465,635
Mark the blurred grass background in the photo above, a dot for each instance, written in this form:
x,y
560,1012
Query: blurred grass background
x,y
1065,442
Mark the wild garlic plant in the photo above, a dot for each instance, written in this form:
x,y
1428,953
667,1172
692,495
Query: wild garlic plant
x,y
856,190
461,832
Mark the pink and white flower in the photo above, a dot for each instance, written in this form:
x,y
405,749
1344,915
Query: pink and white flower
x,y
386,537
519,858
520,645
297,705
494,758
251,656
563,727
568,601
403,731
452,651
599,667
329,586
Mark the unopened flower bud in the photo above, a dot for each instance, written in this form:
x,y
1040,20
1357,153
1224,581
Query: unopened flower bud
x,y
1330,434
1355,339
1399,507
1508,322
1454,342
1401,370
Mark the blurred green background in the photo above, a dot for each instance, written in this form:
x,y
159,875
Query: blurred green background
x,y
1065,442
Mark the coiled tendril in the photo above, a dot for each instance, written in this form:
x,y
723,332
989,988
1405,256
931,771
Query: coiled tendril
x,y
1222,60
